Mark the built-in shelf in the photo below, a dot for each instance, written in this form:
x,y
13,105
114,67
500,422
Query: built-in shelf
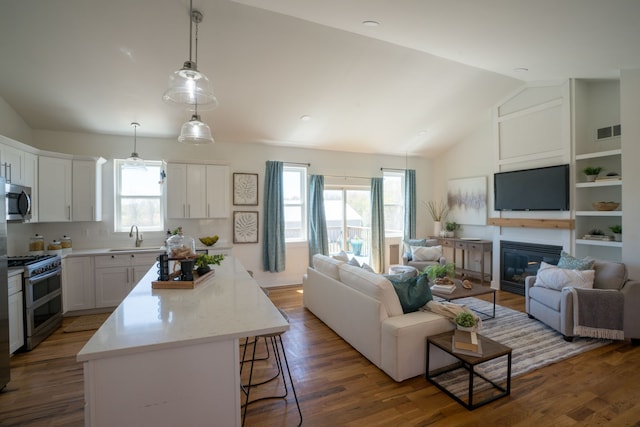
x,y
599,243
598,213
599,154
599,184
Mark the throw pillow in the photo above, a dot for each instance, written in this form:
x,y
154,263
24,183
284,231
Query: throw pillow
x,y
573,263
426,253
412,242
342,256
552,277
413,293
353,261
368,268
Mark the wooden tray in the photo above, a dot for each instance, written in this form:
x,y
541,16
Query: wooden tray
x,y
183,284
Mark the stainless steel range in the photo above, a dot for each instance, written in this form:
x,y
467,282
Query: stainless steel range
x,y
42,290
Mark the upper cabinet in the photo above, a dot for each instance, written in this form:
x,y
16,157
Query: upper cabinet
x,y
69,190
197,191
86,187
597,144
12,164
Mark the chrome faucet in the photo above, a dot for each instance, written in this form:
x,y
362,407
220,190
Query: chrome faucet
x,y
138,235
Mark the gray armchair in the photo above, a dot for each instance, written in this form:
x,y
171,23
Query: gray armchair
x,y
556,309
407,259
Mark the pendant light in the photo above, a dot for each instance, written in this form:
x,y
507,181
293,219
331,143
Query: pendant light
x,y
188,87
134,161
195,132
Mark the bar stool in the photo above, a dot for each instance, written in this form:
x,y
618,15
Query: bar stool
x,y
280,354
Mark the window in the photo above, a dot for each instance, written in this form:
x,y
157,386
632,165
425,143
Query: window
x,y
393,203
295,203
348,213
138,197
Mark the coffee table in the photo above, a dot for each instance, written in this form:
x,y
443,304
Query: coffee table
x,y
475,290
492,390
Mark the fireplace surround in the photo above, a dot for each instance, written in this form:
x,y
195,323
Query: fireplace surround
x,y
520,259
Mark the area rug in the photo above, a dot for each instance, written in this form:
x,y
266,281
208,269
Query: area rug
x,y
87,323
533,343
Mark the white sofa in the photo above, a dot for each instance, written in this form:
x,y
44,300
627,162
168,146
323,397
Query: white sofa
x,y
364,309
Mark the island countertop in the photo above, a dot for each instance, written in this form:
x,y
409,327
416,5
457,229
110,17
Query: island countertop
x,y
228,305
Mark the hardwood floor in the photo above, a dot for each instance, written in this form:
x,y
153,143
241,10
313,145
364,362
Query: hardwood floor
x,y
336,386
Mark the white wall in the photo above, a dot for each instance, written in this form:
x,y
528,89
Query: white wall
x,y
629,113
12,125
248,158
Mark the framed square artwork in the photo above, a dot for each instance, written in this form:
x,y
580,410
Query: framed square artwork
x,y
245,189
245,227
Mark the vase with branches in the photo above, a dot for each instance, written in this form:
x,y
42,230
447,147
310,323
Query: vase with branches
x,y
438,209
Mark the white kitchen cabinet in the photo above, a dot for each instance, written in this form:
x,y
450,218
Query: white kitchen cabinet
x,y
197,191
117,274
54,189
12,164
78,285
86,196
16,313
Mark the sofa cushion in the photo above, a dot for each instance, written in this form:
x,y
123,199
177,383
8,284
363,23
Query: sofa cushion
x,y
573,263
413,292
373,285
545,296
342,256
552,277
417,242
609,275
327,265
426,253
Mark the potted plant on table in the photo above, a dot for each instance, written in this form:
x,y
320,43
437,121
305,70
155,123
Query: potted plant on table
x,y
204,262
451,227
592,172
440,273
466,321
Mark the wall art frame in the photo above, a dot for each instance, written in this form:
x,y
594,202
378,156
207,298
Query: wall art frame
x,y
245,189
245,227
467,200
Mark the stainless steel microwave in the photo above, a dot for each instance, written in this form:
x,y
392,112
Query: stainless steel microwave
x,y
18,202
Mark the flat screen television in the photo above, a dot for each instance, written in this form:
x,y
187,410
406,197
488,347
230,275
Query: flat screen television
x,y
538,189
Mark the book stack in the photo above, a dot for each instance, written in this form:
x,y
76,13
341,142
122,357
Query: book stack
x,y
446,289
465,342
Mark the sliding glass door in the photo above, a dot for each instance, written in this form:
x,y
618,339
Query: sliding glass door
x,y
348,212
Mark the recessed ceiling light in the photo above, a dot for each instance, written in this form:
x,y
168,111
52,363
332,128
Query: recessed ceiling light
x,y
520,69
370,23
305,118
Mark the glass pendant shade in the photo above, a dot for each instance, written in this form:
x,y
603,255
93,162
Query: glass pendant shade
x,y
134,161
195,132
189,88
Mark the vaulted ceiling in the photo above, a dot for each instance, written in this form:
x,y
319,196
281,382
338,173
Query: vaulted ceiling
x,y
414,84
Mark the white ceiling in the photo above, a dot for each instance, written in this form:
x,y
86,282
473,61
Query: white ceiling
x,y
421,80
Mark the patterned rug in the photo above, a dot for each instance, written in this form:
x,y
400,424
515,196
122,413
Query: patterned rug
x,y
534,344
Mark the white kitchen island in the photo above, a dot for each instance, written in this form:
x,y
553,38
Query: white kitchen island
x,y
170,357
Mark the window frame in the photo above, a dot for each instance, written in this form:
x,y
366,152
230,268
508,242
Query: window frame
x,y
118,226
401,175
303,203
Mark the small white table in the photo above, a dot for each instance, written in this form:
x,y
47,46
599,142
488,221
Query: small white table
x,y
171,356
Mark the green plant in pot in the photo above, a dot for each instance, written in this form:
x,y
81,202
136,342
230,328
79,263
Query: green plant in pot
x,y
617,232
440,273
465,320
204,262
451,227
592,172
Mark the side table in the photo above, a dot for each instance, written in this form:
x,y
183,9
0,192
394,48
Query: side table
x,y
478,395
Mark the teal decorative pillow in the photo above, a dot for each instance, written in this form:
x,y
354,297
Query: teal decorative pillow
x,y
413,293
573,263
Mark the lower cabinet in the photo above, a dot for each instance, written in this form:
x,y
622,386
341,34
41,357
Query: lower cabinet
x,y
101,281
117,274
16,313
78,288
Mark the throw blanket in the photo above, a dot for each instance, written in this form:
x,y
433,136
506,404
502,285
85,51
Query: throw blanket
x,y
450,310
598,313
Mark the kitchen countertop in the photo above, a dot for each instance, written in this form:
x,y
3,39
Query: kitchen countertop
x,y
228,305
125,250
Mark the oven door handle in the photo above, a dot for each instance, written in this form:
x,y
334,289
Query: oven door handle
x,y
39,278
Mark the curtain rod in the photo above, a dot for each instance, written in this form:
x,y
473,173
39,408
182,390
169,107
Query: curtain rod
x,y
347,176
296,163
392,169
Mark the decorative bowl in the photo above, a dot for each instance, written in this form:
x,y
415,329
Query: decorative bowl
x,y
605,206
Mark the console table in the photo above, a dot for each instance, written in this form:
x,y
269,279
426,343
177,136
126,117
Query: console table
x,y
470,245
